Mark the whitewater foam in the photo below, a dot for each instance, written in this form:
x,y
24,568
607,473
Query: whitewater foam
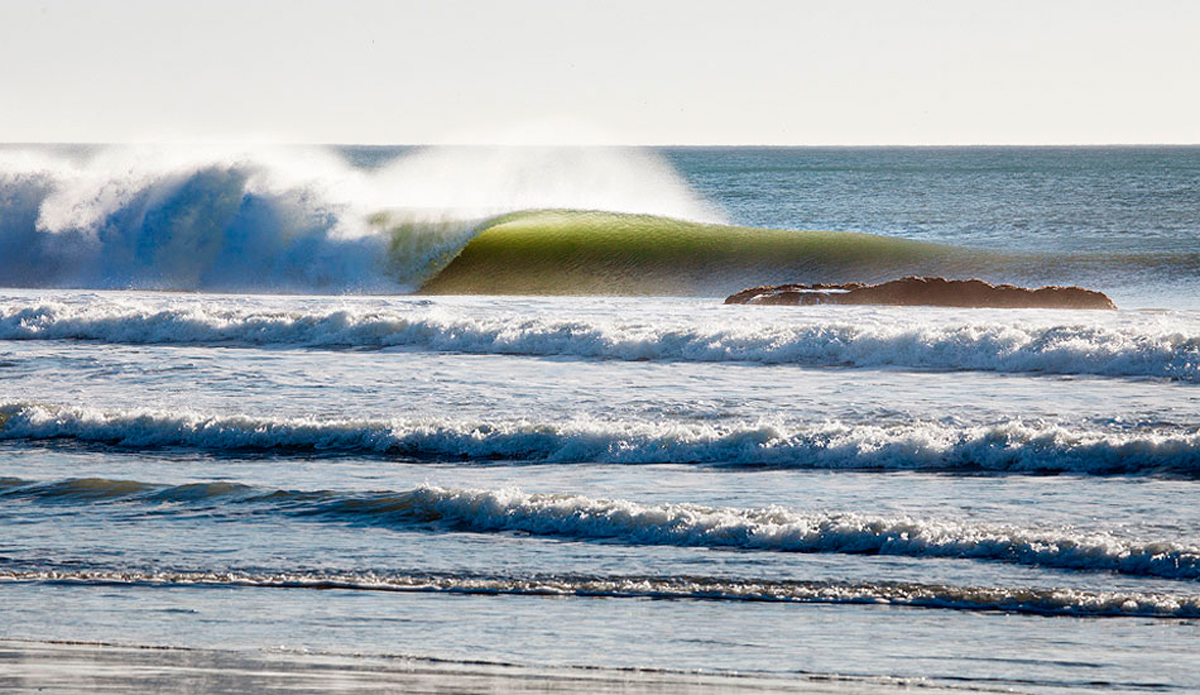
x,y
1125,345
290,219
1010,447
782,530
1038,601
770,529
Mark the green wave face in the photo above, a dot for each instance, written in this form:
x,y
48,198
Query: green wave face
x,y
576,252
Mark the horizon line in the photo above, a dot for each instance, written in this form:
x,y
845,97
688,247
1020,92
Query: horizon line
x,y
298,143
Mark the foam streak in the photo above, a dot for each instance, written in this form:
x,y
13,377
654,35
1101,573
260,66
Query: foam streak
x,y
1049,602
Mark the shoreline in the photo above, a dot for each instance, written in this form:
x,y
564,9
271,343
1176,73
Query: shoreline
x,y
85,666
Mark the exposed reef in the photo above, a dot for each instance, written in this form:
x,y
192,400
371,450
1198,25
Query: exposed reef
x,y
927,291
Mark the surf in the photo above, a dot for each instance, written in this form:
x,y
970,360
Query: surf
x,y
598,253
539,221
773,529
291,219
1012,447
591,252
1024,600
1120,344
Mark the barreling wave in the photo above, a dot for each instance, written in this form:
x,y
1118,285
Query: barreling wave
x,y
442,220
1006,447
1026,600
291,219
1123,346
770,529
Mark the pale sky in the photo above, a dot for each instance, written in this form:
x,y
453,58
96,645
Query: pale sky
x,y
613,72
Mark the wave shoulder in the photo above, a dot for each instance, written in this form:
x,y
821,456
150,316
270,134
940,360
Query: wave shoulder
x,y
569,252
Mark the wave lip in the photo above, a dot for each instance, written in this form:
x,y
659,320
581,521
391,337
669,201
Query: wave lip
x,y
291,218
781,530
1049,602
1006,447
1003,344
767,529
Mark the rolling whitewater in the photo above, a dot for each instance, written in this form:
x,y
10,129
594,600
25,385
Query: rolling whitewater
x,y
463,408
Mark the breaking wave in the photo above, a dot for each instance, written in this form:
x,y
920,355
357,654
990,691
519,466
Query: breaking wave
x,y
772,529
1008,447
462,220
290,219
1037,601
1148,346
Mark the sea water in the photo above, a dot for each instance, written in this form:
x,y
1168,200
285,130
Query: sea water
x,y
981,498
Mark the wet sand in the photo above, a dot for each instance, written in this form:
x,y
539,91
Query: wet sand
x,y
91,667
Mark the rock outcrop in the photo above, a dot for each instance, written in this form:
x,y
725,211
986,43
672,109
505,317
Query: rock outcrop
x,y
936,291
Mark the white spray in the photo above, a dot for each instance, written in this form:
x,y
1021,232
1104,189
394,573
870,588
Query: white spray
x,y
290,218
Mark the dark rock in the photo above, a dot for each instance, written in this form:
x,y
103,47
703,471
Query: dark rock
x,y
915,291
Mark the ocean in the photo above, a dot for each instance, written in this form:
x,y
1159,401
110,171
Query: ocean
x,y
459,408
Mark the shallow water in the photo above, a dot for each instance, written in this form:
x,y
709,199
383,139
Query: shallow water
x,y
977,498
757,511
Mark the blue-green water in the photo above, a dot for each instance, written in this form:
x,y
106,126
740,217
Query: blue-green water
x,y
983,498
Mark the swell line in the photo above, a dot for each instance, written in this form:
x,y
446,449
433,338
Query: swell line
x,y
767,529
1024,600
1004,447
828,338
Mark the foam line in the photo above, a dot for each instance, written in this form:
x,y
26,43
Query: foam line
x,y
1009,447
766,529
1037,601
868,338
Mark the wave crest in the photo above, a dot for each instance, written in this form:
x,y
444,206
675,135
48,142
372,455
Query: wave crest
x,y
289,219
1009,447
781,530
1129,346
770,529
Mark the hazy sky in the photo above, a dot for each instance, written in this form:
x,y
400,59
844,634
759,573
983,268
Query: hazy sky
x,y
551,71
